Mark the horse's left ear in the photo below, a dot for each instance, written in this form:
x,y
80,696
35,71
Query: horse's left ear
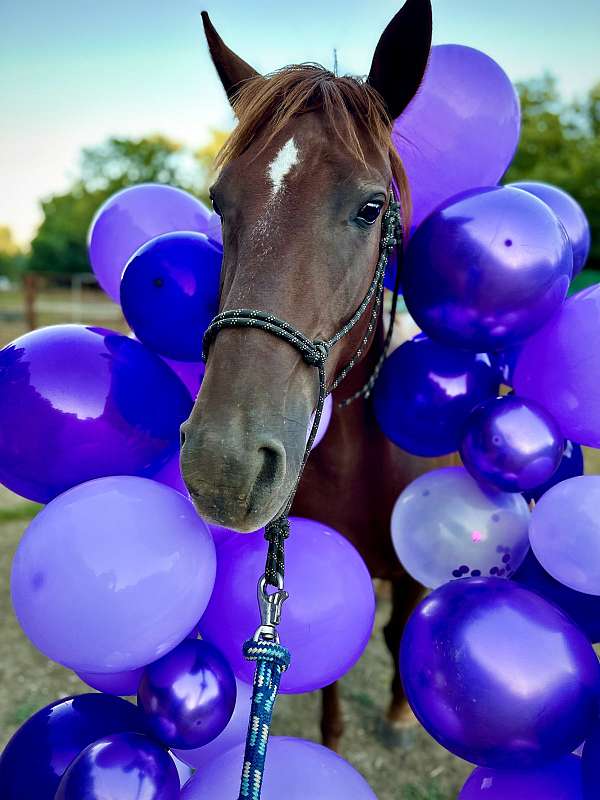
x,y
401,56
232,69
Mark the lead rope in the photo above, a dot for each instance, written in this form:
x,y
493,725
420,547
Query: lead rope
x,y
272,659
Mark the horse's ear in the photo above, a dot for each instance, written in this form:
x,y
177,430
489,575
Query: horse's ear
x,y
401,56
231,68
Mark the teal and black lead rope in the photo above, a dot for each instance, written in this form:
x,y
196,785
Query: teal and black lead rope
x,y
272,658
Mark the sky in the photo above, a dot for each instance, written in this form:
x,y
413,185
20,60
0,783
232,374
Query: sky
x,y
74,72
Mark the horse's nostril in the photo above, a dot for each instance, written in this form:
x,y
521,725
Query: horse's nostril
x,y
273,466
181,437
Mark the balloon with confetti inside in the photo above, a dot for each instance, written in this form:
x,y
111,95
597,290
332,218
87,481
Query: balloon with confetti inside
x,y
445,525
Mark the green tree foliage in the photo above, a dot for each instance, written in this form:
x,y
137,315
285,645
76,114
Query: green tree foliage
x,y
560,144
11,257
59,245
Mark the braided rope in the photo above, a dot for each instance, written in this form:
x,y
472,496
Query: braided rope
x,y
272,659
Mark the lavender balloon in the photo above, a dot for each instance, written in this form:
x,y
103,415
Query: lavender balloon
x,y
497,675
512,444
188,696
295,770
78,403
565,533
461,130
560,364
569,212
487,269
120,767
233,734
445,525
117,683
112,574
328,619
560,780
132,217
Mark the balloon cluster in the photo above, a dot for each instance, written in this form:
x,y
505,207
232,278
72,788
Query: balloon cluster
x,y
497,662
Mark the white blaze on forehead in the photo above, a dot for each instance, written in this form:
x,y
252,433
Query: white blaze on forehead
x,y
285,160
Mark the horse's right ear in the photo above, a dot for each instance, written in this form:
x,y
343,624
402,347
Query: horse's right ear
x,y
401,56
232,70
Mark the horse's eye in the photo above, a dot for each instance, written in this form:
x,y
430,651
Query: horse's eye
x,y
215,206
369,212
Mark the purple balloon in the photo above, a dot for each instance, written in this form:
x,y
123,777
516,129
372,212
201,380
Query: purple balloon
x,y
560,780
112,574
461,129
327,621
497,675
117,683
191,373
323,422
505,361
120,767
37,756
571,466
78,403
560,364
565,533
171,475
233,734
511,443
584,609
425,393
170,293
295,770
487,269
132,217
589,765
188,696
569,212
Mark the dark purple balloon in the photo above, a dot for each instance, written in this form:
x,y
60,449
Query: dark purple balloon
x,y
123,766
560,780
188,696
569,212
590,765
487,269
505,362
426,391
37,756
78,403
512,444
170,293
584,609
571,466
497,675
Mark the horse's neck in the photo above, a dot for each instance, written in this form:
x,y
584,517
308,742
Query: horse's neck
x,y
360,374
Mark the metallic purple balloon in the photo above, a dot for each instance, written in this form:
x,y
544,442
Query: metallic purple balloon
x,y
569,212
232,735
511,443
560,780
132,217
328,619
560,364
37,756
487,269
117,683
124,766
497,675
113,574
460,131
188,696
295,770
565,533
78,403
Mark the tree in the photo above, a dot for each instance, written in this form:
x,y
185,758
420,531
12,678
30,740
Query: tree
x,y
560,144
11,256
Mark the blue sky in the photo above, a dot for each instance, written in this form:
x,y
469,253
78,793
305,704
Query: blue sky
x,y
73,72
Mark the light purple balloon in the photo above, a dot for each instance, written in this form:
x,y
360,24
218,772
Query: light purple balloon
x,y
122,684
323,422
233,735
559,367
327,620
132,217
460,131
560,780
565,533
183,770
113,574
295,770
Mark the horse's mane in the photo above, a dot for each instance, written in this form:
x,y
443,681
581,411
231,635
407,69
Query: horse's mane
x,y
350,105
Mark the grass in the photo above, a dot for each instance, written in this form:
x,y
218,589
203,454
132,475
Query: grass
x,y
22,511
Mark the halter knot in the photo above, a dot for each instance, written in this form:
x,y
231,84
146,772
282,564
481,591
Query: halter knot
x,y
317,354
269,652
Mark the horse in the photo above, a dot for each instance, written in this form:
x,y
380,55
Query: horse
x,y
305,180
